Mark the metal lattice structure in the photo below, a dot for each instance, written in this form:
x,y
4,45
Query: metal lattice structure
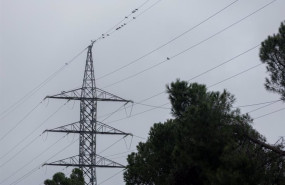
x,y
88,127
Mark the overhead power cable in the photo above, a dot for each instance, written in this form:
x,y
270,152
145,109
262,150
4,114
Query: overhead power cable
x,y
269,113
19,122
22,149
111,177
255,104
131,17
37,88
112,113
15,172
134,115
226,79
112,145
139,137
29,136
38,167
121,153
244,71
125,18
62,170
61,150
153,106
191,47
264,106
26,175
108,115
201,74
168,42
119,157
147,9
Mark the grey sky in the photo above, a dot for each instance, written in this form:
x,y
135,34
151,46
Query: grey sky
x,y
38,37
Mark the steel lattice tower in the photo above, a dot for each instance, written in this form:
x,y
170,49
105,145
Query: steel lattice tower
x,y
88,127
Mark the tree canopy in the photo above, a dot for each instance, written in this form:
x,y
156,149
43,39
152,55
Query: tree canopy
x,y
207,142
272,53
76,178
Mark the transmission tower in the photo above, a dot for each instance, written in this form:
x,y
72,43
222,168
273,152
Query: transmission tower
x,y
88,127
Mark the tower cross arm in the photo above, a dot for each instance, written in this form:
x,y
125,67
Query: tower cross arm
x,y
106,96
97,95
99,162
100,129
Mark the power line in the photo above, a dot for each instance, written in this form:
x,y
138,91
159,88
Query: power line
x,y
14,173
112,113
124,156
62,150
22,149
111,177
37,88
134,17
269,113
255,104
191,47
211,69
111,145
34,130
201,74
29,136
147,9
56,172
19,122
26,175
242,72
143,4
137,114
120,153
139,137
108,115
125,18
122,23
168,42
147,105
37,168
263,106
226,28
223,63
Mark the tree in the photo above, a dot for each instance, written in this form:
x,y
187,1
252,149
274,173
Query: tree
x,y
272,52
207,142
76,178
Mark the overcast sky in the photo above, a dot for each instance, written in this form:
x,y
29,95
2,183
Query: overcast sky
x,y
39,37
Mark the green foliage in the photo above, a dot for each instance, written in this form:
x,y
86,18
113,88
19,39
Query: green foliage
x,y
206,143
76,178
272,52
